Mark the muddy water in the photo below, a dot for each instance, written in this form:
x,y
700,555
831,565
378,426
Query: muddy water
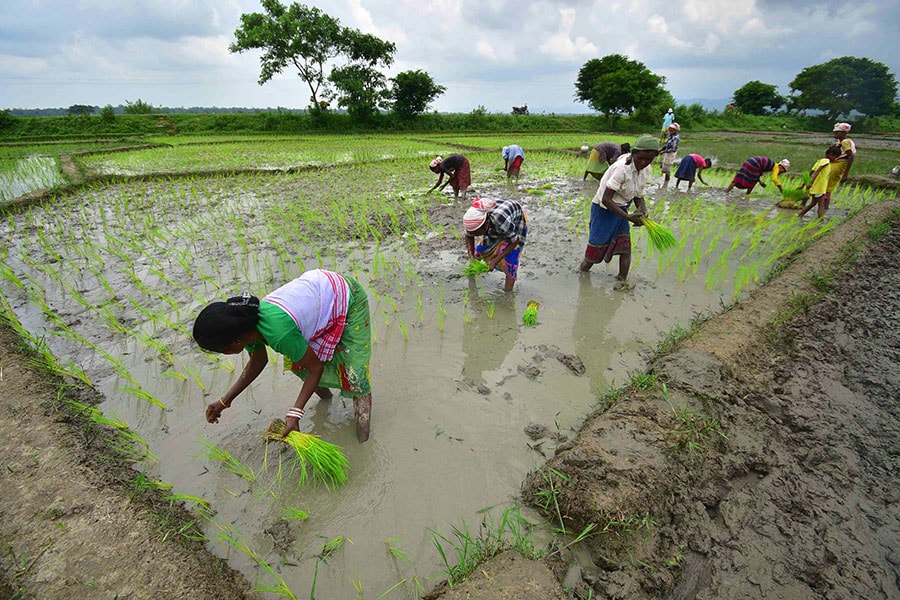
x,y
453,399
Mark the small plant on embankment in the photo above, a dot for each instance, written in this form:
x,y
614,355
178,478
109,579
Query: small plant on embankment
x,y
471,549
692,430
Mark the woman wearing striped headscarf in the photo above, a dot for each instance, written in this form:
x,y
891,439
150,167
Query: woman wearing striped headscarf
x,y
504,226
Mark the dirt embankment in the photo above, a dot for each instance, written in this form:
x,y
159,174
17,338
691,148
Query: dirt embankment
x,y
767,465
72,523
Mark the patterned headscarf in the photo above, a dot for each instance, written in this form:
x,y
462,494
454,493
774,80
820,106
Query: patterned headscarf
x,y
435,162
784,164
845,127
476,215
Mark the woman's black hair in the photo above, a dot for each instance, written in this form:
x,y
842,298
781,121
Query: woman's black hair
x,y
626,148
220,324
833,150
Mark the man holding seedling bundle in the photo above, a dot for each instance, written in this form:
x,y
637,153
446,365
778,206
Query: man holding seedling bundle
x,y
504,226
319,322
513,157
621,185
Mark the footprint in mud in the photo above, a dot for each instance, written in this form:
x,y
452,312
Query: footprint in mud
x,y
473,386
283,538
572,362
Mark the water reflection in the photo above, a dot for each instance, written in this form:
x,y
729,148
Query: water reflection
x,y
595,309
488,337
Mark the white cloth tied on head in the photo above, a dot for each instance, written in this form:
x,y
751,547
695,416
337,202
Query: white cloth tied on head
x,y
476,215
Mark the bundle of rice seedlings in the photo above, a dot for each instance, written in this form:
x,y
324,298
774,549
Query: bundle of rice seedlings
x,y
792,198
476,267
795,197
323,461
529,318
660,237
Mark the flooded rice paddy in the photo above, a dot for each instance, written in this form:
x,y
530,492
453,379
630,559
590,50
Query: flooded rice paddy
x,y
467,399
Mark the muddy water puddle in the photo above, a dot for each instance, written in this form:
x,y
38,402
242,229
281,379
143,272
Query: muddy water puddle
x,y
459,383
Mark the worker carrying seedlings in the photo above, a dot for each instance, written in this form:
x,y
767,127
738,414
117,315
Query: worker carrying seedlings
x,y
504,226
319,322
456,168
621,186
753,168
604,152
513,157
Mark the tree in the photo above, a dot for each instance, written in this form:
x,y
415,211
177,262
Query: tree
x,y
616,84
753,97
108,114
81,109
412,92
138,107
843,85
361,90
306,38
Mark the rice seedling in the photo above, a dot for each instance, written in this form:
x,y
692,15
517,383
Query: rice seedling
x,y
322,461
529,317
230,463
290,513
395,551
658,236
476,267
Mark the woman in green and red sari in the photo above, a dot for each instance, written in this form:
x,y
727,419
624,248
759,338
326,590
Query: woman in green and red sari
x,y
319,322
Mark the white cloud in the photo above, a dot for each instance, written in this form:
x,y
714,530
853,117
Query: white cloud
x,y
561,46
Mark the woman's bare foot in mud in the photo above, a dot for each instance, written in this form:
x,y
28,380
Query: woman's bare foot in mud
x,y
362,409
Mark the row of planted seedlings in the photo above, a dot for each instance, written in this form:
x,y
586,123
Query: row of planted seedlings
x,y
278,153
116,268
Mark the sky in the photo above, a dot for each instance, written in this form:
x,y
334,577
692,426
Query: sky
x,y
497,54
